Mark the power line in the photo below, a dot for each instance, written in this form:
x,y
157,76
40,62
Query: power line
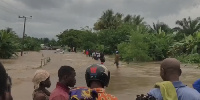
x,y
25,18
10,5
8,10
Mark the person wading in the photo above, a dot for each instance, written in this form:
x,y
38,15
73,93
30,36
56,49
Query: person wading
x,y
97,77
66,75
102,58
117,59
41,81
87,53
172,88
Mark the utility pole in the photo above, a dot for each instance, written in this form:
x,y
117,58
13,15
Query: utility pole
x,y
24,17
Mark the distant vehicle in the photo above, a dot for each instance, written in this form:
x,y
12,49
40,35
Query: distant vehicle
x,y
59,51
62,52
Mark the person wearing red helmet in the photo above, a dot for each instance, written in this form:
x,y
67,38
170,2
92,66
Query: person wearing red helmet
x,y
97,77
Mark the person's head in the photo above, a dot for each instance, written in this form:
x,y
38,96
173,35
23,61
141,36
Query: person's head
x,y
4,93
41,79
117,52
97,76
170,69
66,75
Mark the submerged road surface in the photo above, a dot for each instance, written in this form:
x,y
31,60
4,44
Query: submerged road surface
x,y
126,82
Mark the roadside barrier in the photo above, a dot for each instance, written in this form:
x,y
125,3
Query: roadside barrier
x,y
45,61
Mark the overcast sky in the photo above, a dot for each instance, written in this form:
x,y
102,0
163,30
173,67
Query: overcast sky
x,y
50,17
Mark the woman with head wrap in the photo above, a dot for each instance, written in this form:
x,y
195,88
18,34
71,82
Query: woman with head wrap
x,y
41,81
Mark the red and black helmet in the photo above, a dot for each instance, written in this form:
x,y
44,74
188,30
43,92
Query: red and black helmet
x,y
97,72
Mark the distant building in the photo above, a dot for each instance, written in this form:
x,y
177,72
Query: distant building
x,y
43,47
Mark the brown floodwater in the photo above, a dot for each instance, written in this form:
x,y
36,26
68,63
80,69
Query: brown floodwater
x,y
126,82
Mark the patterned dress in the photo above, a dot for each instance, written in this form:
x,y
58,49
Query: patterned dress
x,y
83,93
104,96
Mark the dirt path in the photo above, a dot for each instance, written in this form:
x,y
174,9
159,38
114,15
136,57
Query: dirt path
x,y
126,82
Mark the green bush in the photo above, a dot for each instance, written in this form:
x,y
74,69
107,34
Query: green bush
x,y
136,49
111,38
125,52
191,58
159,46
8,45
31,44
100,48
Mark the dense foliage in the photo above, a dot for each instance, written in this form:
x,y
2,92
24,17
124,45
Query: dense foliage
x,y
130,34
137,41
10,43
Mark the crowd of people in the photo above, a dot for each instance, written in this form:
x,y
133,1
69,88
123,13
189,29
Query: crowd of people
x,y
97,77
100,56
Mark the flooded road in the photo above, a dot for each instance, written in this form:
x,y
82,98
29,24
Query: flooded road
x,y
126,82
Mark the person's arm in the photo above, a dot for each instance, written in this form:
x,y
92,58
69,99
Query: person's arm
x,y
59,98
8,96
196,85
155,93
40,96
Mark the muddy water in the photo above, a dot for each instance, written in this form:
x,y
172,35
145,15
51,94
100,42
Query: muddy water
x,y
126,82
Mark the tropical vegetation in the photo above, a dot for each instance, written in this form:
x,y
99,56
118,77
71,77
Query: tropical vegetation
x,y
129,34
136,40
11,43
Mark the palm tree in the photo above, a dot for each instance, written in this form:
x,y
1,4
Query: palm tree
x,y
7,43
117,20
108,20
188,26
161,25
9,30
136,19
127,19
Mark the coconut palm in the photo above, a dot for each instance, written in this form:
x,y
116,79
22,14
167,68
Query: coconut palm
x,y
108,20
188,26
136,19
127,19
161,25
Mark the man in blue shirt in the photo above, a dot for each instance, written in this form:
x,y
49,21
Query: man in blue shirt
x,y
196,85
170,71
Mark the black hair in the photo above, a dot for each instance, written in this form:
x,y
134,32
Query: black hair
x,y
97,82
3,80
65,70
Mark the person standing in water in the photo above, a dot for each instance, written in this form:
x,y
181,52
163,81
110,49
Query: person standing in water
x,y
102,58
87,52
117,59
41,81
